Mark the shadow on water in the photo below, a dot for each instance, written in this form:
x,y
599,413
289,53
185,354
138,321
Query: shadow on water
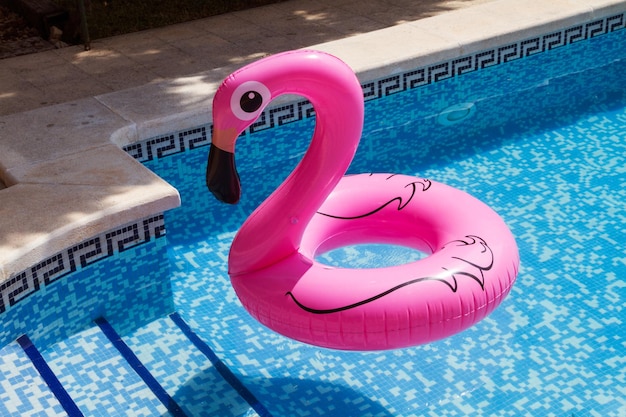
x,y
200,396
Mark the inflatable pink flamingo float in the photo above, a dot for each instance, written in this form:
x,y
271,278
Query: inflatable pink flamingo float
x,y
473,258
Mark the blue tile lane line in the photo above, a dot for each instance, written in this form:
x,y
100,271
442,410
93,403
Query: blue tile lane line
x,y
49,377
138,367
220,366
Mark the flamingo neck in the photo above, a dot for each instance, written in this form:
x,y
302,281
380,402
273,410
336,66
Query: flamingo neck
x,y
274,230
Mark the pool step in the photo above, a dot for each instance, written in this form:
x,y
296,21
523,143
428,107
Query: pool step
x,y
190,371
23,392
161,369
98,378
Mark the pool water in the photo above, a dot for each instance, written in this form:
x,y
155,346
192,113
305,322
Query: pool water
x,y
541,139
545,146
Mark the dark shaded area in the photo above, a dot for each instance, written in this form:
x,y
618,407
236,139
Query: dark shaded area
x,y
106,18
17,37
299,396
30,26
40,15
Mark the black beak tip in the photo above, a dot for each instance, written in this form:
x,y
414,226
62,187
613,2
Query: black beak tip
x,y
227,198
222,178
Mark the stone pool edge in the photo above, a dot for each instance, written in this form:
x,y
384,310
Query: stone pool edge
x,y
69,179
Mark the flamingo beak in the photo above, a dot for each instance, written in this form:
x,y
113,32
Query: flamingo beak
x,y
222,177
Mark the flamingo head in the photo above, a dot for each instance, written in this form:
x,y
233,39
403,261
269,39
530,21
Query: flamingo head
x,y
237,104
243,96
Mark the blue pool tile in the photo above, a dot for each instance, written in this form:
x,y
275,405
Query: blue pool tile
x,y
23,393
187,374
98,379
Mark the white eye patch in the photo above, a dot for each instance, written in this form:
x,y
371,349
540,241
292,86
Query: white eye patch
x,y
249,99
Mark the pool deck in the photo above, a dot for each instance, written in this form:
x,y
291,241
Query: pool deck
x,y
65,114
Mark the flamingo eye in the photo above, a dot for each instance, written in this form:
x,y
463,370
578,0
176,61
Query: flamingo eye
x,y
249,99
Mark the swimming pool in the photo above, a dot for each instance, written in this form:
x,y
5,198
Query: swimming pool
x,y
544,147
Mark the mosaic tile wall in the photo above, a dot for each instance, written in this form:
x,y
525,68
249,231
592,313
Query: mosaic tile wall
x,y
26,282
29,301
277,116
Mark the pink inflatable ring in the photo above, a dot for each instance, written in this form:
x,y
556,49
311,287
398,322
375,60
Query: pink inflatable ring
x,y
473,258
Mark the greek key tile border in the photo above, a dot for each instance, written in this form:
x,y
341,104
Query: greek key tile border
x,y
171,144
506,53
22,284
277,116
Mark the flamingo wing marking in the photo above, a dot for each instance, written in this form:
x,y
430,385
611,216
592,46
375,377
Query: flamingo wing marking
x,y
474,271
425,183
